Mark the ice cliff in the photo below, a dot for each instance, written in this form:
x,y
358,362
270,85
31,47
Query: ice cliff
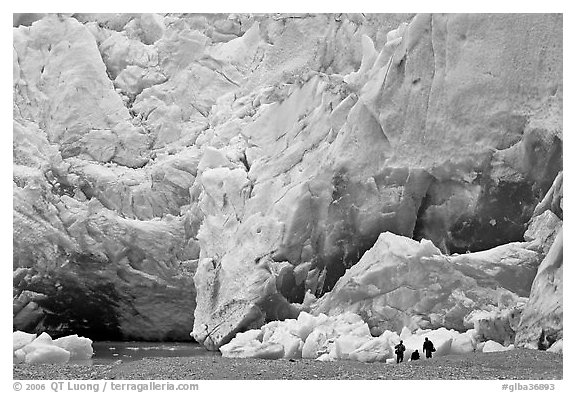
x,y
211,173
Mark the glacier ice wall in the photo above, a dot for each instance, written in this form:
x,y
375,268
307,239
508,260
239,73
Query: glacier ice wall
x,y
224,165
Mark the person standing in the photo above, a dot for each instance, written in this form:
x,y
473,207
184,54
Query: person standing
x,y
428,348
400,348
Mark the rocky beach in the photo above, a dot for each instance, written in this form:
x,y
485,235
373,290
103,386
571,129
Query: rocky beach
x,y
516,365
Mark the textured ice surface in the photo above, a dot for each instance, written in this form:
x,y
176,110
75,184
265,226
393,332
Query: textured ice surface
x,y
80,348
493,346
344,337
400,283
264,154
43,349
21,339
47,354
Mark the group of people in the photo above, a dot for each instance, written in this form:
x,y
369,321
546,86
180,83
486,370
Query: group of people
x,y
427,348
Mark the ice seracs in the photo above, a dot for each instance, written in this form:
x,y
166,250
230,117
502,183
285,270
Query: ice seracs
x,y
401,282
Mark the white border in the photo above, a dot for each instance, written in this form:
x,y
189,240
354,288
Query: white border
x,y
297,6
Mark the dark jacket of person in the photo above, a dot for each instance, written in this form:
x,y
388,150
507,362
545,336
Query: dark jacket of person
x,y
428,348
400,348
415,355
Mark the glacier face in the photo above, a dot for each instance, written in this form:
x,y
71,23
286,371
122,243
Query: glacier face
x,y
204,172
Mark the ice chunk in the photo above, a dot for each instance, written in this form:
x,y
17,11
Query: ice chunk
x,y
292,347
47,354
378,349
306,324
268,330
343,337
250,335
21,339
213,158
497,324
292,344
42,350
252,349
153,28
350,323
42,340
318,342
269,351
326,357
80,348
405,333
250,344
323,337
347,344
556,347
19,356
463,343
493,346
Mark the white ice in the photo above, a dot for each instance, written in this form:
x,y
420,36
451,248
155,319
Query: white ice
x,y
27,348
493,346
80,348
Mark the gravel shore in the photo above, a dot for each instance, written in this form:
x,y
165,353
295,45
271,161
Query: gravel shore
x,y
517,364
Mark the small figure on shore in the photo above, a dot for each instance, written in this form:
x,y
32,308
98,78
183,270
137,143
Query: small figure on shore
x,y
415,355
428,348
400,348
